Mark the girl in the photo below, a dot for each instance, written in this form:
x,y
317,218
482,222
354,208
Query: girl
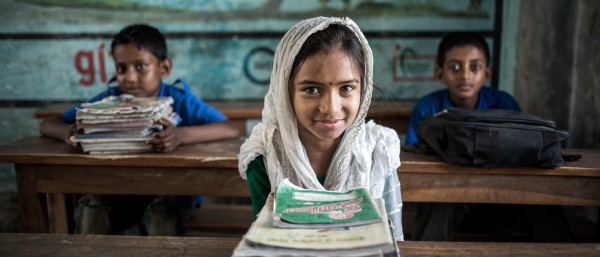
x,y
313,127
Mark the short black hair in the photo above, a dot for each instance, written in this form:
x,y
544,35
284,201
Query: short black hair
x,y
145,37
459,39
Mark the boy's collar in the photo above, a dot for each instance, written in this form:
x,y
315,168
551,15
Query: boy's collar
x,y
447,101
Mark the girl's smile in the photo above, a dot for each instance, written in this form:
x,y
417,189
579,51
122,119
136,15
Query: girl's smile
x,y
325,94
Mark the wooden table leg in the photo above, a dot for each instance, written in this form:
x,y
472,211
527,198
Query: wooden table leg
x,y
34,213
58,214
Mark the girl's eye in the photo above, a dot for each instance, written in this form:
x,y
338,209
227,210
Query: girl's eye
x,y
346,89
311,90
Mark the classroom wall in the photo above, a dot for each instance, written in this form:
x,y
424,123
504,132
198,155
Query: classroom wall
x,y
58,50
557,75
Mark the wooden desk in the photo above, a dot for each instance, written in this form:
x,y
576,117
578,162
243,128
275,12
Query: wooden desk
x,y
27,245
392,114
47,169
425,178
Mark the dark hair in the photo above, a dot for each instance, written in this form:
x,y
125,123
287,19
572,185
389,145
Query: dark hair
x,y
331,38
459,39
145,37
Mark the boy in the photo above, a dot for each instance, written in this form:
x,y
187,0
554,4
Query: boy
x,y
140,55
463,66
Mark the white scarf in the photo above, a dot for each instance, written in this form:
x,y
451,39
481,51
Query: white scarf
x,y
367,153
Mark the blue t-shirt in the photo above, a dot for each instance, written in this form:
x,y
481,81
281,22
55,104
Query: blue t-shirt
x,y
489,98
192,110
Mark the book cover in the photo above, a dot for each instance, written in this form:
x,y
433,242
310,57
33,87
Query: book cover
x,y
119,152
126,104
123,146
298,207
104,137
135,131
264,239
128,124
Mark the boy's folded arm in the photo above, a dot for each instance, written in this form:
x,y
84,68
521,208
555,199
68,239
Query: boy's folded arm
x,y
208,132
56,128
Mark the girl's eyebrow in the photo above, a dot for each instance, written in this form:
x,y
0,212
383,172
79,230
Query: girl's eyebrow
x,y
471,60
310,82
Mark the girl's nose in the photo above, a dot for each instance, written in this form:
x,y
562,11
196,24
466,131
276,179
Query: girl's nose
x,y
330,103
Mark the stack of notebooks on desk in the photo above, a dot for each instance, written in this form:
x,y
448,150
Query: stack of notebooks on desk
x,y
117,125
301,222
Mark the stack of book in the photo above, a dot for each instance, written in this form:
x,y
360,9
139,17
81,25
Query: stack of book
x,y
301,222
123,124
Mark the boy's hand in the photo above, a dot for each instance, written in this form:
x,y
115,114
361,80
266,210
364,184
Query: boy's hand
x,y
166,140
72,131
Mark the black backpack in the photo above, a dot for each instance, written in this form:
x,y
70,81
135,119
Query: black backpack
x,y
492,138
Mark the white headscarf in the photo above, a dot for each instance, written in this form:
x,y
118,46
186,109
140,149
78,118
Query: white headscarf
x,y
368,154
276,138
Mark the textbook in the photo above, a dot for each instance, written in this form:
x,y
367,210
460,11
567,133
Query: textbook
x,y
299,207
107,147
127,104
264,238
123,124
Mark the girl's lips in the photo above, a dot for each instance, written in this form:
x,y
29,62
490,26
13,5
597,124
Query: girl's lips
x,y
332,123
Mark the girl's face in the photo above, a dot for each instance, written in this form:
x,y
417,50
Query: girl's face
x,y
464,72
325,95
138,71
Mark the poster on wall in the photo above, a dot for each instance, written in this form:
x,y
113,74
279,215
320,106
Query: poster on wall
x,y
60,49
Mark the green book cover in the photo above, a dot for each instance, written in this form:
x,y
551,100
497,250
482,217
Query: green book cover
x,y
298,207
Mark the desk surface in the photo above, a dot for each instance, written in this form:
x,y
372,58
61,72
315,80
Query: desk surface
x,y
223,154
424,178
18,245
587,166
42,150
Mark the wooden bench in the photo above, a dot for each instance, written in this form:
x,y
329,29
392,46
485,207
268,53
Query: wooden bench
x,y
228,218
51,245
243,114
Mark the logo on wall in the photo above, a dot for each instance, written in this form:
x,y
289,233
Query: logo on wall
x,y
410,66
258,64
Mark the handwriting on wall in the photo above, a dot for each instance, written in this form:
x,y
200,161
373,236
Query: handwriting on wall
x,y
86,63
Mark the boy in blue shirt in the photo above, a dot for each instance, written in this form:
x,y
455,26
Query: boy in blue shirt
x,y
140,55
463,66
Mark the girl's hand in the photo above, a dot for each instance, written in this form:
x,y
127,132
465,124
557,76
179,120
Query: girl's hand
x,y
166,140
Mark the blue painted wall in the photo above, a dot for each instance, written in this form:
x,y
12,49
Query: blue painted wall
x,y
58,50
